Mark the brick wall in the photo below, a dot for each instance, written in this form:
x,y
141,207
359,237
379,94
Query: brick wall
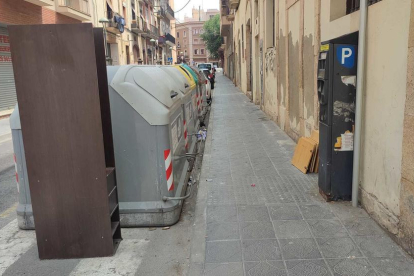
x,y
20,12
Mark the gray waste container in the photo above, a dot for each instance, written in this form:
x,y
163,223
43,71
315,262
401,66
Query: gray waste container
x,y
189,104
24,209
148,132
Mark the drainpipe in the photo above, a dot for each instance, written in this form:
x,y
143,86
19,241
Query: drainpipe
x,y
359,99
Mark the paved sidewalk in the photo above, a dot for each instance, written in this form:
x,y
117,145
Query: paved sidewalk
x,y
258,215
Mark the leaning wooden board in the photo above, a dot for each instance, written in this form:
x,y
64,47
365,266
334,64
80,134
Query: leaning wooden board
x,y
57,90
303,154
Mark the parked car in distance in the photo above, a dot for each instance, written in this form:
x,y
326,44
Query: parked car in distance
x,y
208,66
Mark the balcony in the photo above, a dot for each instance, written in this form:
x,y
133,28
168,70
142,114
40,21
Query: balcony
x,y
170,40
169,13
112,25
234,4
42,3
154,32
137,26
230,17
77,9
225,26
160,13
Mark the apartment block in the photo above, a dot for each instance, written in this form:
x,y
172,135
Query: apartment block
x,y
190,46
137,31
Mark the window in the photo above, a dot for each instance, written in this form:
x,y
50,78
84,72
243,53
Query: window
x,y
201,31
185,52
353,5
270,24
211,16
196,52
178,34
185,34
195,41
202,51
178,45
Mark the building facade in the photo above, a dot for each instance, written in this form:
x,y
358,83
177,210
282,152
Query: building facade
x,y
190,46
271,53
31,12
143,36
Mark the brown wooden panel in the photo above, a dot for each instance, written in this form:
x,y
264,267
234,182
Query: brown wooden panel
x,y
104,97
57,90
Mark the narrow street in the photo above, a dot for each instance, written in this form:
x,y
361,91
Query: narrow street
x,y
254,214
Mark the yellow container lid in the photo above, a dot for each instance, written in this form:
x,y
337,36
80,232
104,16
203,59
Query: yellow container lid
x,y
187,75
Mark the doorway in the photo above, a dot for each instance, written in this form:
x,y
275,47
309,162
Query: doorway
x,y
249,58
128,59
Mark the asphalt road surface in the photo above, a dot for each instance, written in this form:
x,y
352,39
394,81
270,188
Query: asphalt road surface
x,y
8,186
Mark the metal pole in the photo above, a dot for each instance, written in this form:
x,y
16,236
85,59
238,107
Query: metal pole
x,y
106,44
359,99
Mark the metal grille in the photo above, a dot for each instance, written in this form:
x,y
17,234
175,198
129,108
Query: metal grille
x,y
7,88
353,5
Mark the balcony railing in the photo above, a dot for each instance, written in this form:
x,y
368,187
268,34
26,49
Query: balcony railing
x,y
161,12
137,26
77,5
353,5
154,31
170,38
169,13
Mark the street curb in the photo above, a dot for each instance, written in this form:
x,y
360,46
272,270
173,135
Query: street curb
x,y
198,236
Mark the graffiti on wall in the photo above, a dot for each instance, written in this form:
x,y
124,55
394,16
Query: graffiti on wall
x,y
270,59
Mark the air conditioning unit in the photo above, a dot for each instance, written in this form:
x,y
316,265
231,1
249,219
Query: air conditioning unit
x,y
256,27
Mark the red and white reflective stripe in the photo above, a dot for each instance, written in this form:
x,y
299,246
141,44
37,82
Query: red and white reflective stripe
x,y
185,134
198,102
169,169
15,168
15,171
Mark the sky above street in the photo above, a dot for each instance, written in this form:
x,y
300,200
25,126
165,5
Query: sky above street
x,y
207,4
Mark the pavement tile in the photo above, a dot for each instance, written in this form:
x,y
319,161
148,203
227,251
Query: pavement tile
x,y
223,252
250,199
316,212
351,267
307,267
253,213
291,229
335,248
403,266
363,227
257,230
285,212
344,210
267,268
248,148
227,269
299,249
222,231
378,246
221,214
261,250
327,228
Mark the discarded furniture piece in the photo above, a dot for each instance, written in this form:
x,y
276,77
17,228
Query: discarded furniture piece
x,y
66,128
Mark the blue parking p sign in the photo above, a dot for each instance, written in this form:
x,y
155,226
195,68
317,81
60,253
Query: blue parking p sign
x,y
346,55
